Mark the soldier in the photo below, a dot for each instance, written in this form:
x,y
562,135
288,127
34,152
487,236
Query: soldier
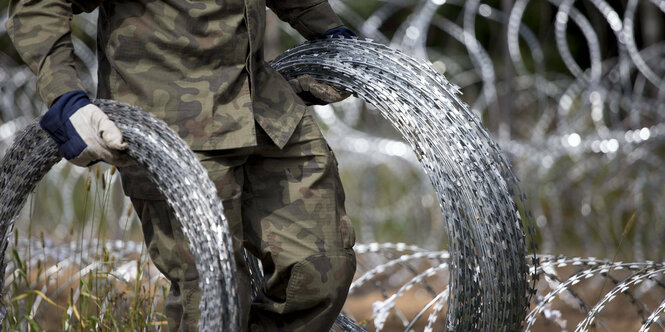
x,y
199,66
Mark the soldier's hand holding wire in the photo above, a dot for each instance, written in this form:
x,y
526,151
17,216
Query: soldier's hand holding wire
x,y
314,92
85,135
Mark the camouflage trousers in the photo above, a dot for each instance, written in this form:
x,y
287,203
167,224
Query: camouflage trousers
x,y
285,206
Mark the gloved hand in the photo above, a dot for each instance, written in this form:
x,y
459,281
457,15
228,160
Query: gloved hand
x,y
314,92
337,33
85,134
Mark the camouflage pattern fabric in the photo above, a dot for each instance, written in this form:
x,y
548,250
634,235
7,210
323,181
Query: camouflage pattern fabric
x,y
286,206
198,65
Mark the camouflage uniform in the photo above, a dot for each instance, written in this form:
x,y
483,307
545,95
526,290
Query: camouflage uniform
x,y
199,66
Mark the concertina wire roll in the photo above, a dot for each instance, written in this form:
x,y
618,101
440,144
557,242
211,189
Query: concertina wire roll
x,y
474,183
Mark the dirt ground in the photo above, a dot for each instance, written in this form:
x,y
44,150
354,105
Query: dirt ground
x,y
621,315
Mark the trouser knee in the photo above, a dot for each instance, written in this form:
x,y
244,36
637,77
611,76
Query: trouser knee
x,y
320,280
316,289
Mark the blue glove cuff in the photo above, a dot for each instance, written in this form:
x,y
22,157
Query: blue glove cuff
x,y
56,123
337,32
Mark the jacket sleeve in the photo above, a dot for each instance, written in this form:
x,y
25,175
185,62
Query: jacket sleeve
x,y
310,17
41,33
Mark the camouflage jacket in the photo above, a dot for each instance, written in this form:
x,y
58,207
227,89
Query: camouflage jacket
x,y
198,65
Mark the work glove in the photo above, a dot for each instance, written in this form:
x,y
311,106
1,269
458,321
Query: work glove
x,y
84,134
340,32
313,92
